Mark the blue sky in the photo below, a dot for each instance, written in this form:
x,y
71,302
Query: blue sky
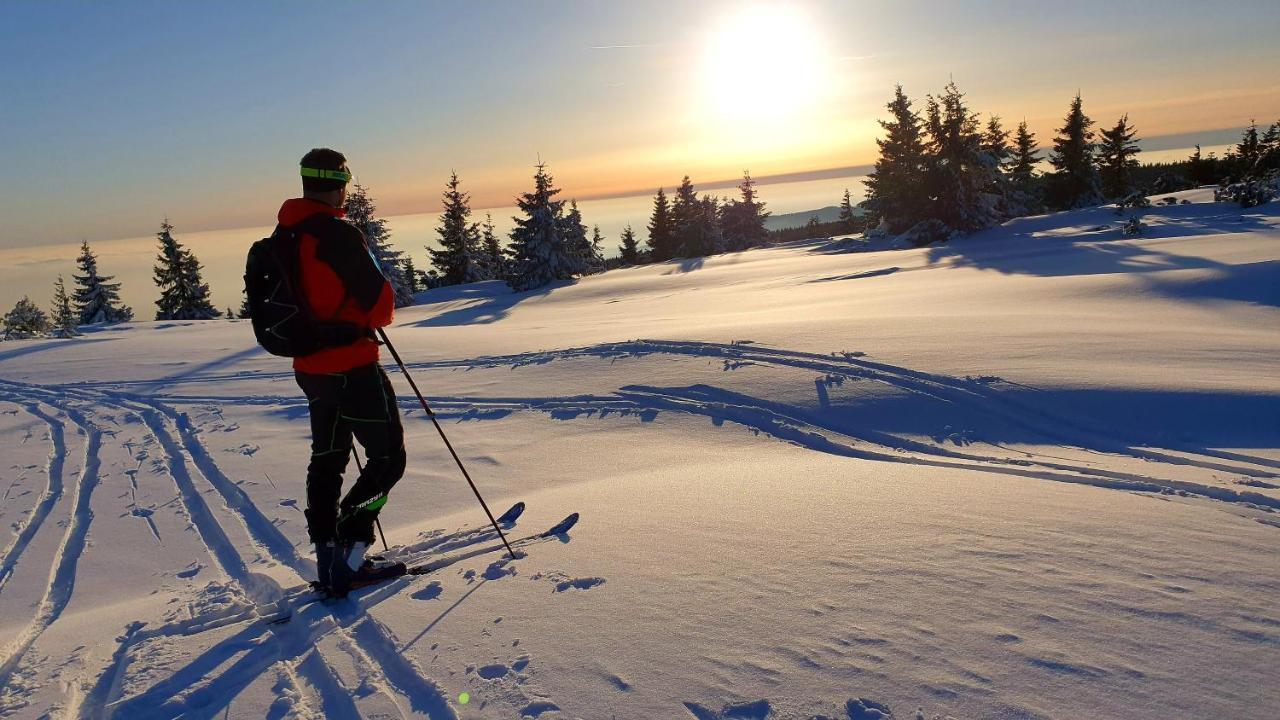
x,y
115,114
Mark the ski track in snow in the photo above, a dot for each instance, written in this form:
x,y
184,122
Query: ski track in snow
x,y
306,680
287,646
810,429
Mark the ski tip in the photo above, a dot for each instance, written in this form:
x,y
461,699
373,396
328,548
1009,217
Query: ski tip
x,y
563,526
512,513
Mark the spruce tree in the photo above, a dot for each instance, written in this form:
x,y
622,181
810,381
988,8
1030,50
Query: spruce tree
x,y
686,220
361,211
1075,182
96,299
847,218
1269,149
596,263
629,251
25,320
895,188
661,232
244,313
458,259
1249,149
1020,168
410,274
495,260
961,174
183,293
65,318
743,220
1117,159
576,242
995,143
701,235
539,255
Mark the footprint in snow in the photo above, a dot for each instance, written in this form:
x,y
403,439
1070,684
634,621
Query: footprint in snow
x,y
579,584
430,592
754,710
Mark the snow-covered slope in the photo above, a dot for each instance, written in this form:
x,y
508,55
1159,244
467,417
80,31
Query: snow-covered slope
x,y
1031,474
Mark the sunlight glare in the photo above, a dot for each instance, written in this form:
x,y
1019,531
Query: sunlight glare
x,y
764,63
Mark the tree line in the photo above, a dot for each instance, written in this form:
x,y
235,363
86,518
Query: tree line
x,y
944,172
939,173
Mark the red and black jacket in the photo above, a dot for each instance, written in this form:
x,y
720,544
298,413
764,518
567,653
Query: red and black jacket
x,y
341,282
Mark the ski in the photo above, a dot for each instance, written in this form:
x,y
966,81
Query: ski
x,y
298,597
559,529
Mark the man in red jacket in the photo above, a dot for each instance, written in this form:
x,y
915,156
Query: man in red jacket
x,y
348,393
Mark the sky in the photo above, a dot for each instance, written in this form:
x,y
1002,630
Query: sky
x,y
115,115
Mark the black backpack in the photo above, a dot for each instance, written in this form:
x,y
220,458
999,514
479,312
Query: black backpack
x,y
282,322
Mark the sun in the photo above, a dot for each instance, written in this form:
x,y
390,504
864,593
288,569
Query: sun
x,y
764,63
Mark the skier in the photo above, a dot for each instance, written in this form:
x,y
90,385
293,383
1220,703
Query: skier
x,y
348,393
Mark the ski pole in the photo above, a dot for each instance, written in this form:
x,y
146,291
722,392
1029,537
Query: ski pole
x,y
382,334
376,522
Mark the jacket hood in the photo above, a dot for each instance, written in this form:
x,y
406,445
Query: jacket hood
x,y
295,210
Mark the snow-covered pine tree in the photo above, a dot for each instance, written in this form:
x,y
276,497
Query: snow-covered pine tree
x,y
629,251
243,312
1075,183
495,260
661,231
961,173
25,320
410,274
596,262
1020,168
65,318
1249,149
576,242
701,235
995,143
361,211
183,293
458,259
538,252
742,220
847,218
1117,158
895,189
686,216
96,298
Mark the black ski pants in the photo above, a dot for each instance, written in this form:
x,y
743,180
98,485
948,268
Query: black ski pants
x,y
357,403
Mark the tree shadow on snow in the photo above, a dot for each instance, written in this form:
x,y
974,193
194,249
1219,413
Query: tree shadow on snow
x,y
487,302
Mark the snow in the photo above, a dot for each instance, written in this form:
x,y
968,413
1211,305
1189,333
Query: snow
x,y
1033,473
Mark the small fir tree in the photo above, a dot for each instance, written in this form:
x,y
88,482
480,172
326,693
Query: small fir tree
x,y
361,211
686,220
1020,168
1075,182
1250,148
701,235
596,261
847,216
458,259
65,318
576,242
661,232
895,188
1117,155
96,298
410,272
743,220
495,260
961,174
183,293
629,251
539,255
25,320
